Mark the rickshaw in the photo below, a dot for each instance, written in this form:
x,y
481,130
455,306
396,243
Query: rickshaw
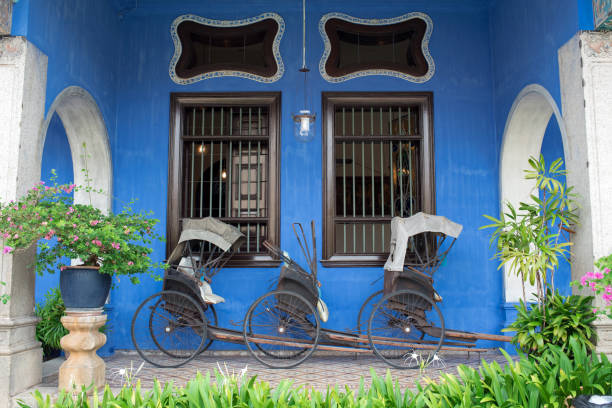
x,y
282,328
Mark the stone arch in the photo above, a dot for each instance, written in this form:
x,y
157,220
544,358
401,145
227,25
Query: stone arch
x,y
84,124
525,127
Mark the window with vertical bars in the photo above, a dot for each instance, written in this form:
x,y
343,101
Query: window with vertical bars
x,y
378,164
224,162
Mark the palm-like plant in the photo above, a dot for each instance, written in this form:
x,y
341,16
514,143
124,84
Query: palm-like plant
x,y
533,239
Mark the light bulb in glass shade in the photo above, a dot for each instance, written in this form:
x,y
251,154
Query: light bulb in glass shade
x,y
304,130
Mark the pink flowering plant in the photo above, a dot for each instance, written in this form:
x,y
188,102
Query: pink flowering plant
x,y
118,243
600,283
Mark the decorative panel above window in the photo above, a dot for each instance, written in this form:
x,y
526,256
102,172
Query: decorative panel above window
x,y
205,48
356,47
377,164
224,163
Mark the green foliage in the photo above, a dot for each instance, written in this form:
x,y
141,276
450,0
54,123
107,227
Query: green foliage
x,y
564,317
529,239
78,231
550,380
4,298
49,330
547,381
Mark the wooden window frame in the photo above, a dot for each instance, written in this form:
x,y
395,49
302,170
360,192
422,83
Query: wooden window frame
x,y
179,100
329,101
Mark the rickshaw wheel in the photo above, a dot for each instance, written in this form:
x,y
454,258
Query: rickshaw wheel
x,y
363,317
281,329
408,317
174,323
211,318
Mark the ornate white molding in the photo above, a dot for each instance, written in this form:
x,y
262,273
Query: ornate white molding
x,y
378,22
227,23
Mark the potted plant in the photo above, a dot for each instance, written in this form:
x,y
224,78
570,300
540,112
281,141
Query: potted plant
x,y
100,245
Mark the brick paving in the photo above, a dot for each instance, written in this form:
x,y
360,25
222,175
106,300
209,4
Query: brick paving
x,y
318,372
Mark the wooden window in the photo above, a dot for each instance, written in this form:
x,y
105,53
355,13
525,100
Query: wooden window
x,y
224,161
378,163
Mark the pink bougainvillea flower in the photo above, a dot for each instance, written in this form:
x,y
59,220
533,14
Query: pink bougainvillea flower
x,y
44,223
126,231
609,289
96,242
69,188
75,239
115,245
583,280
598,275
16,236
7,250
50,234
130,263
34,188
595,311
6,235
74,225
70,211
94,222
62,268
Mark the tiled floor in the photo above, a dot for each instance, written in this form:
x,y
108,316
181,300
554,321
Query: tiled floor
x,y
318,372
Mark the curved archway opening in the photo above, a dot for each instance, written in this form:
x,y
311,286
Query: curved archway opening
x,y
529,121
88,141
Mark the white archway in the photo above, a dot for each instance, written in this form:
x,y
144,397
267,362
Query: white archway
x,y
84,124
525,128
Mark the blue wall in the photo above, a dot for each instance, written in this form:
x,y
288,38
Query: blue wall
x,y
525,37
466,163
485,53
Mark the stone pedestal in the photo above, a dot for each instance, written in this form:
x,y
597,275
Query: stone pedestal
x,y
585,68
83,366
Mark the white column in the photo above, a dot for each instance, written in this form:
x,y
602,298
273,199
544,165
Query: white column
x,y
23,75
585,64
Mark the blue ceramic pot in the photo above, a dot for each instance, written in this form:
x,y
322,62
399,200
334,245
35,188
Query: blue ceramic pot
x,y
84,287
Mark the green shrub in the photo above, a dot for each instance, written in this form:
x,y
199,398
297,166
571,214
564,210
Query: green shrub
x,y
550,380
563,317
49,329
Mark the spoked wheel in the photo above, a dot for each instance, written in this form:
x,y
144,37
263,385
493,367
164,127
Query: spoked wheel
x,y
211,318
281,329
169,329
365,311
406,329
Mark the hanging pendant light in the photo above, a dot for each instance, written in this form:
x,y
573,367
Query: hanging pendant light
x,y
303,128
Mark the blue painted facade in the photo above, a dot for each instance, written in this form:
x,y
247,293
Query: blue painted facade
x,y
485,52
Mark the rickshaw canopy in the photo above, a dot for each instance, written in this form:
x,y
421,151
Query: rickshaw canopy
x,y
404,228
207,229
